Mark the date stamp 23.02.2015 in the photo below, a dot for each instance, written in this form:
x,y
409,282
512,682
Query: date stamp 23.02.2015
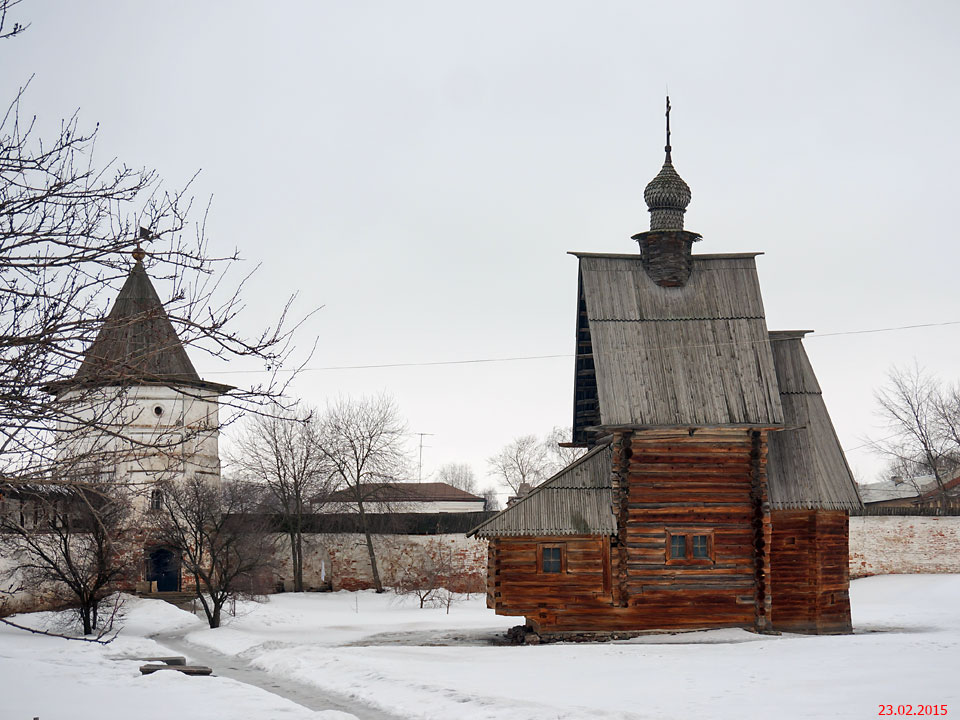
x,y
914,710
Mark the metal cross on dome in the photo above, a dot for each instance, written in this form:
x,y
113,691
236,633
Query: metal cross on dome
x,y
667,148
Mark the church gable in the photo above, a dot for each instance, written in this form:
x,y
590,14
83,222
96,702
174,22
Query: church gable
x,y
691,355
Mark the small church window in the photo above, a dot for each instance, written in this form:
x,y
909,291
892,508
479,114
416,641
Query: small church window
x,y
156,499
678,546
551,557
158,410
689,547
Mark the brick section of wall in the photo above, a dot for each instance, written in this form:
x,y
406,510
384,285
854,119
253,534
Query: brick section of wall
x,y
342,560
904,544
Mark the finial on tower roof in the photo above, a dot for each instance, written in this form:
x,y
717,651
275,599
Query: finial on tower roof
x,y
667,195
138,252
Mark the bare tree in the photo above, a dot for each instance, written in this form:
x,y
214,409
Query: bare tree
x,y
559,453
522,461
284,451
220,534
491,500
946,410
921,415
459,475
364,443
69,540
68,227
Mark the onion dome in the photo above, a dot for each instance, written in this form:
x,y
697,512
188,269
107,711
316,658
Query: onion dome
x,y
667,195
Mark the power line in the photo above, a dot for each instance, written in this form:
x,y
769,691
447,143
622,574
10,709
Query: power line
x,y
406,364
477,361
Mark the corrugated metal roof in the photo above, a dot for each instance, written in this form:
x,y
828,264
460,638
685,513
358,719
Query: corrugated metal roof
x,y
806,467
405,492
899,489
576,501
692,355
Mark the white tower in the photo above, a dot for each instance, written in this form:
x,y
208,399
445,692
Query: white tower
x,y
137,410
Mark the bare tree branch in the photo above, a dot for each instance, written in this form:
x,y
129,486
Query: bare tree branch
x,y
922,421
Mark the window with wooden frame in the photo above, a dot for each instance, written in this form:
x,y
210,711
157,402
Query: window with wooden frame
x,y
690,547
552,558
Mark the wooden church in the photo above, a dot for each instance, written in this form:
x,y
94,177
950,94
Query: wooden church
x,y
714,492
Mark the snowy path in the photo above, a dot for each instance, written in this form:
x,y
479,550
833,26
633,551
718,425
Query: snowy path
x,y
237,668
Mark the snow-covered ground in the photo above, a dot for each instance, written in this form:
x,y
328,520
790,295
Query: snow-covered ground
x,y
427,664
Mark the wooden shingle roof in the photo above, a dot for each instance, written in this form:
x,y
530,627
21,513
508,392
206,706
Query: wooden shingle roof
x,y
806,467
578,500
695,355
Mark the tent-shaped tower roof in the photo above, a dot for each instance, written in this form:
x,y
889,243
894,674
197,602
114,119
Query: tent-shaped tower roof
x,y
137,344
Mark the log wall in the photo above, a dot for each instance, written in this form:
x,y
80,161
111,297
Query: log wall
x,y
516,585
810,576
702,484
709,483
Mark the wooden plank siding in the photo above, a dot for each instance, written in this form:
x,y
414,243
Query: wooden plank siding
x,y
810,571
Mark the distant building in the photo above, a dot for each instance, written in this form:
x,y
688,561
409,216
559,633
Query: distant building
x,y
895,491
430,497
923,491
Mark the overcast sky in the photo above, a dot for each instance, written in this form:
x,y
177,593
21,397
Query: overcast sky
x,y
420,169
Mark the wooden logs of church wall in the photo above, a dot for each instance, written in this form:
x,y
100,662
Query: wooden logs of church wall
x,y
810,571
702,484
707,483
518,586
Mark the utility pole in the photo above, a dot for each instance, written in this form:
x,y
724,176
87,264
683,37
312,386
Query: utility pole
x,y
420,463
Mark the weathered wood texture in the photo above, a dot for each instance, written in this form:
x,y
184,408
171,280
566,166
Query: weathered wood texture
x,y
808,469
701,484
586,405
664,482
516,585
575,501
693,355
810,576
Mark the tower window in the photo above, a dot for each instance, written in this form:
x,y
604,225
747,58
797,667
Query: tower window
x,y
156,500
158,410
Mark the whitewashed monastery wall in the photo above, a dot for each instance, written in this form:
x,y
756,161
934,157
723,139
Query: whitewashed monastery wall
x,y
887,545
341,560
